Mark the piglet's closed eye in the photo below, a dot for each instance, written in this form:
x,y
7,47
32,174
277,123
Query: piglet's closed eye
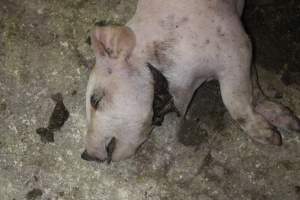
x,y
95,99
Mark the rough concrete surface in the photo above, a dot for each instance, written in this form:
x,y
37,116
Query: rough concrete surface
x,y
43,51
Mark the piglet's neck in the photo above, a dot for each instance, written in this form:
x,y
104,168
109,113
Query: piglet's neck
x,y
113,62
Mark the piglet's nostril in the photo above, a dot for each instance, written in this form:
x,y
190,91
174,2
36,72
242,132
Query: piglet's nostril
x,y
87,157
110,149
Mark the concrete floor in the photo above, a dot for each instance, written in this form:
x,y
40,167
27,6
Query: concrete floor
x,y
43,51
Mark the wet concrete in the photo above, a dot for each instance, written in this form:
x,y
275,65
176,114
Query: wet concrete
x,y
43,51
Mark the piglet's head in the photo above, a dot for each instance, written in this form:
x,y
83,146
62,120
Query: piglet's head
x,y
119,97
125,96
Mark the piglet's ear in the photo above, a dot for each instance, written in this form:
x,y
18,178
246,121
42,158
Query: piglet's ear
x,y
116,42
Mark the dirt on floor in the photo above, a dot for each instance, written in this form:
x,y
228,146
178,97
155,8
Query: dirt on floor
x,y
43,51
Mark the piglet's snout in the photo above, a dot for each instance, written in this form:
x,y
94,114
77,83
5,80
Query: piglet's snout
x,y
110,147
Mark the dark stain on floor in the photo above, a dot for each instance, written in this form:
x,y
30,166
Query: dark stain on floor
x,y
45,134
60,113
34,194
3,106
57,119
206,108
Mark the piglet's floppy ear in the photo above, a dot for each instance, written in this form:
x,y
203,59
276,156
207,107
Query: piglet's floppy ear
x,y
116,42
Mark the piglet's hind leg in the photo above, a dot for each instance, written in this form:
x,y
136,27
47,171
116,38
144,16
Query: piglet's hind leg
x,y
237,97
278,115
236,91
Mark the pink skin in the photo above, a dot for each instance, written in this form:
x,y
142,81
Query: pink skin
x,y
278,115
190,42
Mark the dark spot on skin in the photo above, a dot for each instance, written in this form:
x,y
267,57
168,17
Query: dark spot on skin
x,y
3,106
163,102
59,116
219,32
46,135
182,22
207,41
34,194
